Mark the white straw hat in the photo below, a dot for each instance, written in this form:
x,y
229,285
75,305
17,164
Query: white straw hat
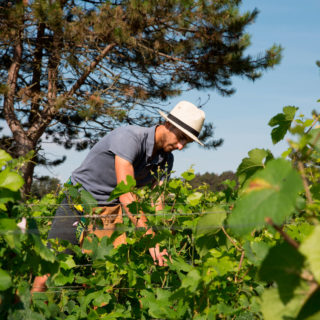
x,y
187,118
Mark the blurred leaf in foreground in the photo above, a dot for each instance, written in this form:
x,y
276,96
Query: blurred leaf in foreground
x,y
271,193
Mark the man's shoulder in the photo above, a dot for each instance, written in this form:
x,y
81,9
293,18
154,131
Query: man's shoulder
x,y
134,138
133,130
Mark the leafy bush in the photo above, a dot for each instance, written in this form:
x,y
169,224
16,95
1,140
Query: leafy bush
x,y
242,253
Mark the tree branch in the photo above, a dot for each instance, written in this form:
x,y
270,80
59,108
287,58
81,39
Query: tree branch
x,y
8,106
92,66
36,74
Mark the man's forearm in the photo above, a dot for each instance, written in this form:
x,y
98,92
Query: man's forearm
x,y
139,222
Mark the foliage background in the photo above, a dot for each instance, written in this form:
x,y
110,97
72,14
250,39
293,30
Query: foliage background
x,y
241,120
247,253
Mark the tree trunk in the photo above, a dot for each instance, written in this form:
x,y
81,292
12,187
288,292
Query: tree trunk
x,y
27,170
22,143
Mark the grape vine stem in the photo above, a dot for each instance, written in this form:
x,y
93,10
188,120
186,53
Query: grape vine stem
x,y
286,237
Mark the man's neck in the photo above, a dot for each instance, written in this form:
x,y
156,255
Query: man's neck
x,y
158,139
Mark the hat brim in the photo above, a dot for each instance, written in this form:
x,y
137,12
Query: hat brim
x,y
192,136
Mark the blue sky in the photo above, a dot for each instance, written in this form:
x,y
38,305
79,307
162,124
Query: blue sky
x,y
242,119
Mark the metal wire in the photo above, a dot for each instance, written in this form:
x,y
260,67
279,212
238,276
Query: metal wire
x,y
106,205
122,230
95,216
80,288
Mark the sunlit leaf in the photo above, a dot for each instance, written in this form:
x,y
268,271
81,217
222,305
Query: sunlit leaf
x,y
211,222
7,224
256,160
281,123
66,261
273,193
273,307
188,175
4,158
122,188
194,198
311,250
10,180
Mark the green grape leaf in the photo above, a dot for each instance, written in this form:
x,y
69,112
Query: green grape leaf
x,y
4,158
188,175
9,230
211,222
88,202
66,261
5,280
7,224
10,180
283,264
256,160
315,191
7,195
282,123
194,198
73,192
224,265
178,264
64,277
123,188
256,251
192,280
273,307
102,299
158,306
175,183
44,252
271,193
315,138
311,250
311,308
299,231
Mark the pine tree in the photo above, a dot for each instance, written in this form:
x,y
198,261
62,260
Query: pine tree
x,y
72,70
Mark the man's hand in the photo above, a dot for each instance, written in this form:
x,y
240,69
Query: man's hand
x,y
159,257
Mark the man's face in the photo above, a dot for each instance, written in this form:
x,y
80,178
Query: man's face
x,y
175,139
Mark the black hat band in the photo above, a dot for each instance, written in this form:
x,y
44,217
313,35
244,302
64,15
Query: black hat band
x,y
183,125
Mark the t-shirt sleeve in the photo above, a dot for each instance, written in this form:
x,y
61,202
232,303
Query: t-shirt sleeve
x,y
125,145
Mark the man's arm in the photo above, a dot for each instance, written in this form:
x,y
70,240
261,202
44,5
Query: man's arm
x,y
123,168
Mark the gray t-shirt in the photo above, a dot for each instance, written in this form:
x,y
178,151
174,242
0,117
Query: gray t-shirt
x,y
135,144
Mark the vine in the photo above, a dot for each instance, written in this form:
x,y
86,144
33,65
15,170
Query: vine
x,y
248,252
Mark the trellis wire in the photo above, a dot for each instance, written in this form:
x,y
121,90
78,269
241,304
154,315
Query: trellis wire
x,y
122,230
80,288
106,205
95,216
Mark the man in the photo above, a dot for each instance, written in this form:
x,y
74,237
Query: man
x,y
133,151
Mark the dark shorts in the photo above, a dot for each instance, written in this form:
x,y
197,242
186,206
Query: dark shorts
x,y
65,223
